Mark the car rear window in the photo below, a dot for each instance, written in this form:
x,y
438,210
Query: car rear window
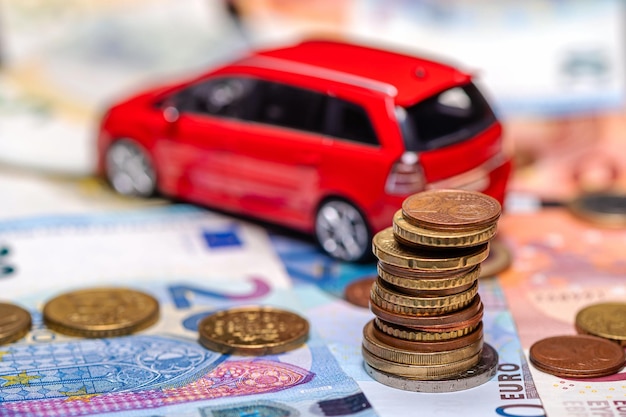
x,y
451,116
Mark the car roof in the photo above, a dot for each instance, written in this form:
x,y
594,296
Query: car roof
x,y
407,78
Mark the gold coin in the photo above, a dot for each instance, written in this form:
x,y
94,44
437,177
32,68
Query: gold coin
x,y
606,320
387,249
424,372
451,210
101,312
254,330
15,322
392,307
419,280
386,293
406,333
411,357
412,235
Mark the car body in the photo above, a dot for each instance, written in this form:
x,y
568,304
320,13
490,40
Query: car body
x,y
322,136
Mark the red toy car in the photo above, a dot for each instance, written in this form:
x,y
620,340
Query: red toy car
x,y
323,137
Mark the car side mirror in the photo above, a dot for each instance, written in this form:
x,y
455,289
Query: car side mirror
x,y
171,114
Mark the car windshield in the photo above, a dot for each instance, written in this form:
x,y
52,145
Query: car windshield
x,y
451,116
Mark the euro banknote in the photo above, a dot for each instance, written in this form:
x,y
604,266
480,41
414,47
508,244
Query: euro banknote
x,y
194,263
561,265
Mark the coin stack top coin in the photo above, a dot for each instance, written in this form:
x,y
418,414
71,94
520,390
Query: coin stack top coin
x,y
428,326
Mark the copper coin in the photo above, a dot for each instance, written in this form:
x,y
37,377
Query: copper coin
x,y
579,356
451,210
101,312
253,330
15,322
358,292
467,316
431,346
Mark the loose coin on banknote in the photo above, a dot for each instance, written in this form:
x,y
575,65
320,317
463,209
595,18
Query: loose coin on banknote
x,y
451,210
477,375
14,322
498,260
603,209
253,330
358,292
607,320
580,356
101,312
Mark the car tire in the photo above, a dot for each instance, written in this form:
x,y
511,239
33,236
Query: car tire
x,y
342,231
129,169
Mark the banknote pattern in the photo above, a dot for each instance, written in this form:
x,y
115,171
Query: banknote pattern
x,y
562,265
162,370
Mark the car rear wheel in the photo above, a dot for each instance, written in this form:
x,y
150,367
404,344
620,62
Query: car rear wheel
x,y
129,169
342,232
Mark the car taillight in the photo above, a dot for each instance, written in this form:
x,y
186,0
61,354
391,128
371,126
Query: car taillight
x,y
406,176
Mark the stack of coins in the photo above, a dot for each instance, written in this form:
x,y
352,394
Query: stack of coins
x,y
427,334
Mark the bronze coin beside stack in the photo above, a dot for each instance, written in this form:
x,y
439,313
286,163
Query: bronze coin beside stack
x,y
427,335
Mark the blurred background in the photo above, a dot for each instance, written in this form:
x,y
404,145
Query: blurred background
x,y
554,71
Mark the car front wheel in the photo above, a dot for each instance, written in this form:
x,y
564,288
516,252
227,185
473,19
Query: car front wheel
x,y
129,169
342,232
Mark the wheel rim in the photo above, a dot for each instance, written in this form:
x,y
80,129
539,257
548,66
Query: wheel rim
x,y
341,231
129,170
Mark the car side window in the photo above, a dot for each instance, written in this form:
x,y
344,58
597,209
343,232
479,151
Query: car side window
x,y
284,105
347,120
218,97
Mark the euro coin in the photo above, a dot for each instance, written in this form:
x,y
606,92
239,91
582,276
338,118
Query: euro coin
x,y
420,280
407,333
465,317
387,249
425,372
605,320
410,357
391,296
579,356
253,330
601,209
358,292
451,210
101,312
475,376
15,322
412,235
431,346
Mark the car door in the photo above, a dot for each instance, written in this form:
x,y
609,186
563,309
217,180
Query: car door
x,y
279,154
201,141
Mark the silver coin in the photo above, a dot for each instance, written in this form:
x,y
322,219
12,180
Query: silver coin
x,y
482,372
